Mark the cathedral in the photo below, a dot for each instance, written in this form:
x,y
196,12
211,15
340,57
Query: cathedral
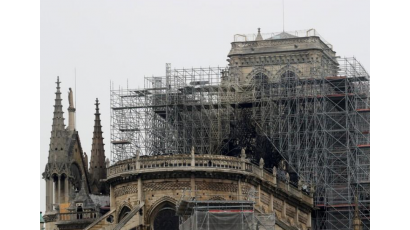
x,y
278,139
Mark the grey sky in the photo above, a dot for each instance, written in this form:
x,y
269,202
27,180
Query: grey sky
x,y
120,40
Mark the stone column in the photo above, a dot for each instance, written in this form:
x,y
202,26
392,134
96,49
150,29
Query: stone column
x,y
112,198
66,196
50,193
59,190
259,195
240,190
284,210
140,195
193,192
47,195
193,156
309,220
297,215
271,203
55,191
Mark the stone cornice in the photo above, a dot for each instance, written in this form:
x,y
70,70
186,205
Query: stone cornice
x,y
300,44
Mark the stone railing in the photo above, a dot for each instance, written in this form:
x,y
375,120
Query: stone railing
x,y
186,162
75,216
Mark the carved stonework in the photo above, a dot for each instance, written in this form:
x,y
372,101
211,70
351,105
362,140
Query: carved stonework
x,y
172,185
218,180
257,70
56,168
277,204
290,211
220,187
303,217
50,218
265,198
124,190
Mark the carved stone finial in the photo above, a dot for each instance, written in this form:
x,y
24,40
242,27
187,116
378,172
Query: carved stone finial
x,y
243,154
97,109
261,163
192,151
287,177
137,153
274,171
282,165
58,82
107,162
259,36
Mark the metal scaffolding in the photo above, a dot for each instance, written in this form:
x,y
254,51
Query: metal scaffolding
x,y
316,119
222,215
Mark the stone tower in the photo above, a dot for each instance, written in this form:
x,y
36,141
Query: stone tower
x,y
66,166
98,168
274,56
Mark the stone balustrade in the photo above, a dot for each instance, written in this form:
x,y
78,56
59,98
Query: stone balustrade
x,y
74,216
214,163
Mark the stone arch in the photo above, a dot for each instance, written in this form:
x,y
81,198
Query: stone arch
x,y
259,70
289,68
156,204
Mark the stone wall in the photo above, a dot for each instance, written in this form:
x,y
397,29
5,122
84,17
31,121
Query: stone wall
x,y
166,180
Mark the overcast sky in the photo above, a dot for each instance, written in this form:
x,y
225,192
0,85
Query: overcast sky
x,y
123,41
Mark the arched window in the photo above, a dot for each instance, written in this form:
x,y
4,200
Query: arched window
x,y
288,75
260,83
289,81
166,218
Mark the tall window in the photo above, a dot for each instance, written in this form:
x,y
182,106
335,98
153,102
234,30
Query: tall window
x,y
261,85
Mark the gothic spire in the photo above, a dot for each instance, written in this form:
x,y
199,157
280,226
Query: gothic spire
x,y
97,164
58,119
58,133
